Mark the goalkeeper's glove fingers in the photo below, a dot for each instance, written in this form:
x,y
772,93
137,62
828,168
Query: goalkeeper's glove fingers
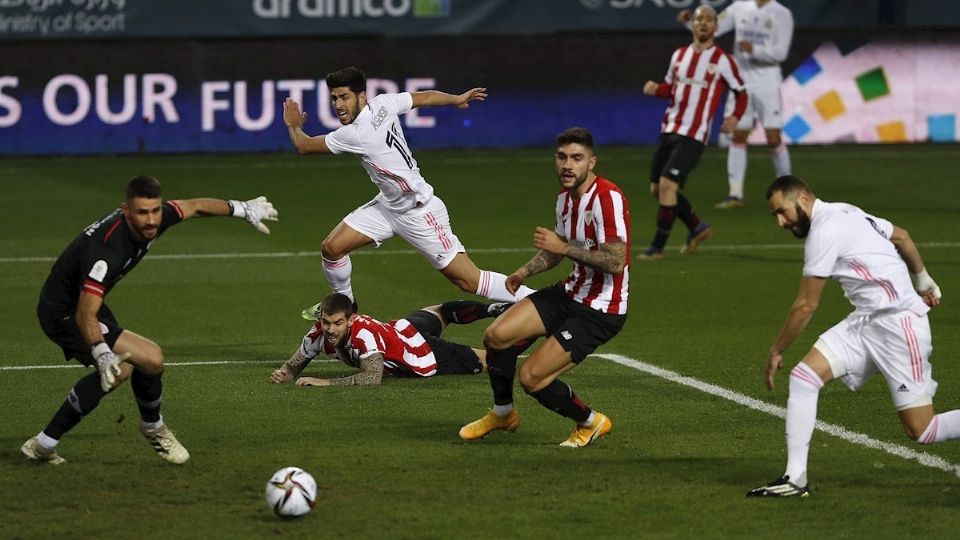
x,y
254,212
108,364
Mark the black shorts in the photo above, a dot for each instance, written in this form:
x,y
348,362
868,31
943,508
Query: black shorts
x,y
452,358
675,157
63,330
578,328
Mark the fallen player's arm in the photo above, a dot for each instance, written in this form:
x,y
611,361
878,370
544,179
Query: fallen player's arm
x,y
371,372
291,368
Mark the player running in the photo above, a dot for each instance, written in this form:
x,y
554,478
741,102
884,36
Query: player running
x,y
697,75
763,30
888,331
406,205
73,314
577,315
407,347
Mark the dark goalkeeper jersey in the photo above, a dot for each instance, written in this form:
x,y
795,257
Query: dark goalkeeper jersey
x,y
97,259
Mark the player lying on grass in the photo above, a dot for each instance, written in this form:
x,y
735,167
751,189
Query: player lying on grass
x,y
73,313
408,347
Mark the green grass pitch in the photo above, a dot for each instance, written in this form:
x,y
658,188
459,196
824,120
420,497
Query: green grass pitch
x,y
387,459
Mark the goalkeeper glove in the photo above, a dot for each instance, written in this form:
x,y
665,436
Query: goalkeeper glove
x,y
926,285
254,212
108,364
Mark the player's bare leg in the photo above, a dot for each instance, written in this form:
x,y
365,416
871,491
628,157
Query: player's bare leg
x,y
923,425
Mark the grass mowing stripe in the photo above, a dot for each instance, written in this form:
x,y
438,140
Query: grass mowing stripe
x,y
775,410
290,254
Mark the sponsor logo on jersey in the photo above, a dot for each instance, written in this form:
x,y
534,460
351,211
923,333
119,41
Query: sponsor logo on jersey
x,y
99,271
585,243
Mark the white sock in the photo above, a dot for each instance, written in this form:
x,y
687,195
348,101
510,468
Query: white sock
x,y
805,387
46,441
151,426
493,285
338,275
736,168
781,159
943,427
503,410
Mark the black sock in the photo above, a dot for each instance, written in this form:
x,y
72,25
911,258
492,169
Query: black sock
x,y
559,398
464,311
666,215
84,397
685,213
501,367
148,390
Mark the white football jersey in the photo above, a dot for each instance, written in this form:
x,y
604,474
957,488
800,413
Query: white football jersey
x,y
854,248
768,28
376,136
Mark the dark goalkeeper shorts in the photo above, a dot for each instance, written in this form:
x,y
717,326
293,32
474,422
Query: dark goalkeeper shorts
x,y
452,358
63,330
674,158
579,329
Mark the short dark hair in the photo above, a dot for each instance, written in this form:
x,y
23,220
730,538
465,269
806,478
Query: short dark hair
x,y
575,135
147,187
351,77
787,185
336,303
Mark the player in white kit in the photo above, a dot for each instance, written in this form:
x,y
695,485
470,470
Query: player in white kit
x,y
763,30
406,205
888,331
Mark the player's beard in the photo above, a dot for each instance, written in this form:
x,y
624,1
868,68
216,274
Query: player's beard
x,y
801,227
579,181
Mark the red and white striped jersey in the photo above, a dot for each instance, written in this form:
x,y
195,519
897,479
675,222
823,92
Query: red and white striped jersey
x,y
405,351
600,216
694,83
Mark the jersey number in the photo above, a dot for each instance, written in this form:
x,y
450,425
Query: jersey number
x,y
394,140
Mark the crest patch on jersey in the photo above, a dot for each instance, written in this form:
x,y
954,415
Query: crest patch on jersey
x,y
99,271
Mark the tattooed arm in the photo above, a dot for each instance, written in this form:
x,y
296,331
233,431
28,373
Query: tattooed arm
x,y
291,368
610,257
371,372
541,262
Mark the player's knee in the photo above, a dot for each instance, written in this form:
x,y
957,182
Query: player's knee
x,y
529,379
152,361
330,251
495,339
774,140
915,431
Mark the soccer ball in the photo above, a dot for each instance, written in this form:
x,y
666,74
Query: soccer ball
x,y
291,492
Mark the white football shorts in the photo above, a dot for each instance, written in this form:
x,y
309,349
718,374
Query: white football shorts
x,y
897,344
763,103
426,228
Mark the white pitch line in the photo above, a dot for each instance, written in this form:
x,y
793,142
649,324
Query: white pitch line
x,y
775,410
75,365
390,252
